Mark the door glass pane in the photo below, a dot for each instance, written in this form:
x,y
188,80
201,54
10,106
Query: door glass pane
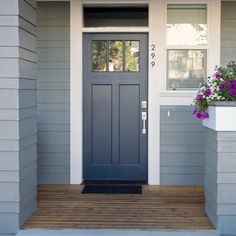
x,y
187,24
99,55
131,55
186,68
115,56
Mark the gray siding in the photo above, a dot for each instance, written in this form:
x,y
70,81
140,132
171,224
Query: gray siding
x,y
182,147
27,102
228,32
220,180
53,92
17,113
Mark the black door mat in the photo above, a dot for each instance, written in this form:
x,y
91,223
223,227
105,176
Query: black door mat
x,y
112,189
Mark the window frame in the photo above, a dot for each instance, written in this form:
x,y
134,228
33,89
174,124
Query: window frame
x,y
185,47
167,69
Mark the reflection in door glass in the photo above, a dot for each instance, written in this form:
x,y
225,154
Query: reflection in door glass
x,y
99,55
131,55
115,56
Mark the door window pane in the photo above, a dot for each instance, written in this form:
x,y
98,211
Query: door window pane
x,y
99,55
186,68
115,56
187,24
132,56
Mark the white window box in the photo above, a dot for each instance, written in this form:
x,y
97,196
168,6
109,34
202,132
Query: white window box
x,y
222,117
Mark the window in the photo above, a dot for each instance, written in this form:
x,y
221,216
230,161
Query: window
x,y
123,56
186,45
136,16
185,68
99,55
115,56
131,55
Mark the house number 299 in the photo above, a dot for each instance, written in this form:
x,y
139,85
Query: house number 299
x,y
153,55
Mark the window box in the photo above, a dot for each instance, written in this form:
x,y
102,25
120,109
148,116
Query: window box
x,y
222,116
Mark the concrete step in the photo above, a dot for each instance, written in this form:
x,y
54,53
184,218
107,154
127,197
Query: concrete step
x,y
104,232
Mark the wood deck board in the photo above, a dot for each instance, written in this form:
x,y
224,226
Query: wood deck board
x,y
159,207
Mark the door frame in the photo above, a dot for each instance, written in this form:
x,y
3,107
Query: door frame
x,y
157,93
76,57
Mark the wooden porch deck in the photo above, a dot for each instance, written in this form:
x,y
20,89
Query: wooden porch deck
x,y
158,208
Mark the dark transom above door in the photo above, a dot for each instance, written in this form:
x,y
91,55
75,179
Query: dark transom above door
x,y
115,107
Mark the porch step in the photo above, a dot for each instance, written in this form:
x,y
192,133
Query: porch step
x,y
99,232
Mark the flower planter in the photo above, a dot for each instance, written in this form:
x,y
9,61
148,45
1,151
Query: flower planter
x,y
219,118
222,116
219,92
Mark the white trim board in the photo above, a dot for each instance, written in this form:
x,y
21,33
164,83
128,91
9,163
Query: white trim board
x,y
116,30
157,93
76,93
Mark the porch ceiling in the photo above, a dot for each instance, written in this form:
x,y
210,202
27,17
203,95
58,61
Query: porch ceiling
x,y
159,207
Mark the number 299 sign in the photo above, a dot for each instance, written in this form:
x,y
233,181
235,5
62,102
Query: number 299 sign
x,y
153,55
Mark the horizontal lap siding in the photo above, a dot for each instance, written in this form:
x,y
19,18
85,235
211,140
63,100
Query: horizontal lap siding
x,y
220,178
226,180
182,147
18,154
27,100
226,168
53,96
228,32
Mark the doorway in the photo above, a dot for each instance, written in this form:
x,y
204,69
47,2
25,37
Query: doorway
x,y
115,107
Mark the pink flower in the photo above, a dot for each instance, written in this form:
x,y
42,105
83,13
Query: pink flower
x,y
207,92
199,97
205,116
233,83
232,91
217,75
223,86
199,115
202,116
195,111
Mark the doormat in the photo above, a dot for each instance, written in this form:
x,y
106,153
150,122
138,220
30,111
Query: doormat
x,y
112,189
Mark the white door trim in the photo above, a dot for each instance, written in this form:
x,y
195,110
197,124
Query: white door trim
x,y
76,93
157,93
76,86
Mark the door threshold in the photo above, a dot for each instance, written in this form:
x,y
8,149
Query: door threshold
x,y
112,182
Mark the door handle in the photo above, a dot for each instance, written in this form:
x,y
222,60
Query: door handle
x,y
144,118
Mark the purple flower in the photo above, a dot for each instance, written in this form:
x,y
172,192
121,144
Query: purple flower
x,y
194,111
199,115
202,116
233,83
205,116
199,97
223,86
207,92
217,75
232,91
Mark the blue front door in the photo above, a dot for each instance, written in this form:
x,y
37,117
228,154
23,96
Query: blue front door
x,y
115,107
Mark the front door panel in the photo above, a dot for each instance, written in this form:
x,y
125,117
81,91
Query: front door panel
x,y
115,84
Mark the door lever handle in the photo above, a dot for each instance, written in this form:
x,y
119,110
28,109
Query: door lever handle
x,y
144,118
